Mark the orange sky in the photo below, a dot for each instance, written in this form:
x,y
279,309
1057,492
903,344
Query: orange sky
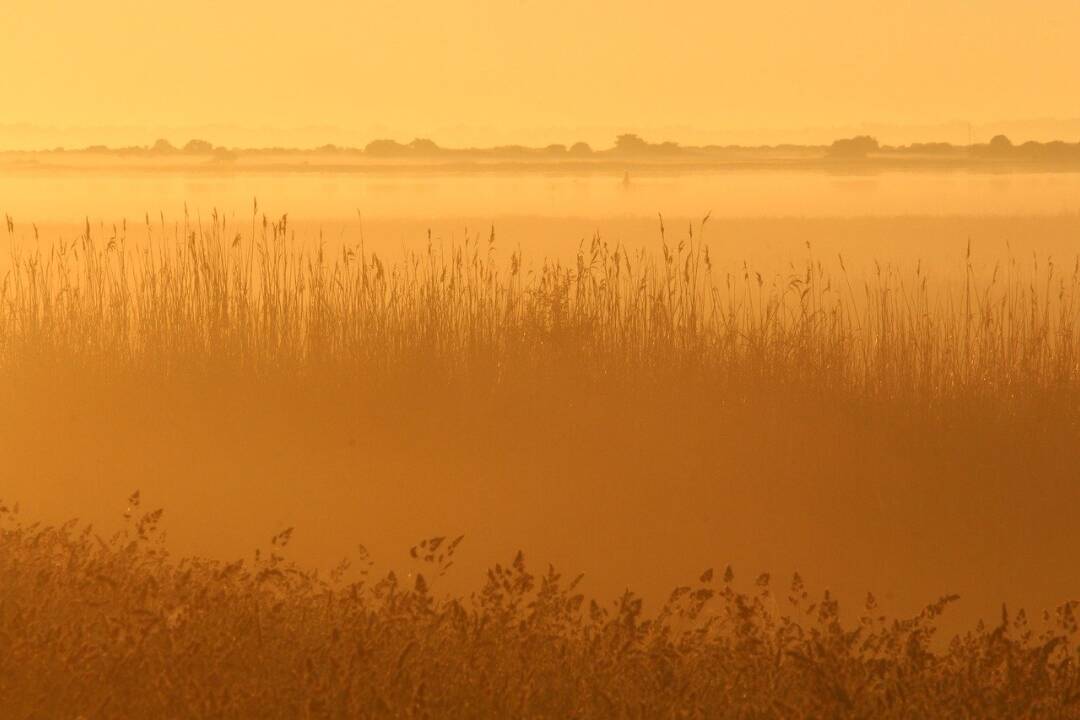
x,y
528,71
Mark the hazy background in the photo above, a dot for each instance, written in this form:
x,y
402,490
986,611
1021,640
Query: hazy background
x,y
490,71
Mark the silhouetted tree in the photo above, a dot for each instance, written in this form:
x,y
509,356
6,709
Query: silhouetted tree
x,y
580,148
855,147
1000,142
386,148
999,146
424,146
630,143
163,146
199,147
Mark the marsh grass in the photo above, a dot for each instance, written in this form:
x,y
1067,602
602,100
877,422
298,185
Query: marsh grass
x,y
116,627
206,296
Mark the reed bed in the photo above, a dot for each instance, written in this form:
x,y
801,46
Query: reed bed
x,y
204,295
114,627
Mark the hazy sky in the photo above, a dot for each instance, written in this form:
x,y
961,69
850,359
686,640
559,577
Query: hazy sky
x,y
523,69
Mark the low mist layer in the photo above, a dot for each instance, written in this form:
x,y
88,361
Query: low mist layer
x,y
634,415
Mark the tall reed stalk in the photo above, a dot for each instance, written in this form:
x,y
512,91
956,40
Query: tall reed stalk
x,y
200,295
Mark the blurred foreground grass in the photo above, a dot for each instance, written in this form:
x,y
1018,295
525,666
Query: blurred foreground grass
x,y
102,628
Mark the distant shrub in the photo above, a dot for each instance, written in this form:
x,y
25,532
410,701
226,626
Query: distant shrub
x,y
855,147
163,147
198,147
386,148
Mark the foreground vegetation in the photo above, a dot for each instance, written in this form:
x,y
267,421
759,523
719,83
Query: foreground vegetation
x,y
102,628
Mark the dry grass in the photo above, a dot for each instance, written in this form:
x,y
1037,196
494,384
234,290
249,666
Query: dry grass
x,y
101,628
209,298
866,420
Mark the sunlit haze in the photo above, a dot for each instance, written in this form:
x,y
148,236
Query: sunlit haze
x,y
539,359
492,71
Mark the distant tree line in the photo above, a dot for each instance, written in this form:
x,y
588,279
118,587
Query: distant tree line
x,y
631,146
1001,147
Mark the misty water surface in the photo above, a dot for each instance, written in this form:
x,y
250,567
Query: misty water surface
x,y
111,195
